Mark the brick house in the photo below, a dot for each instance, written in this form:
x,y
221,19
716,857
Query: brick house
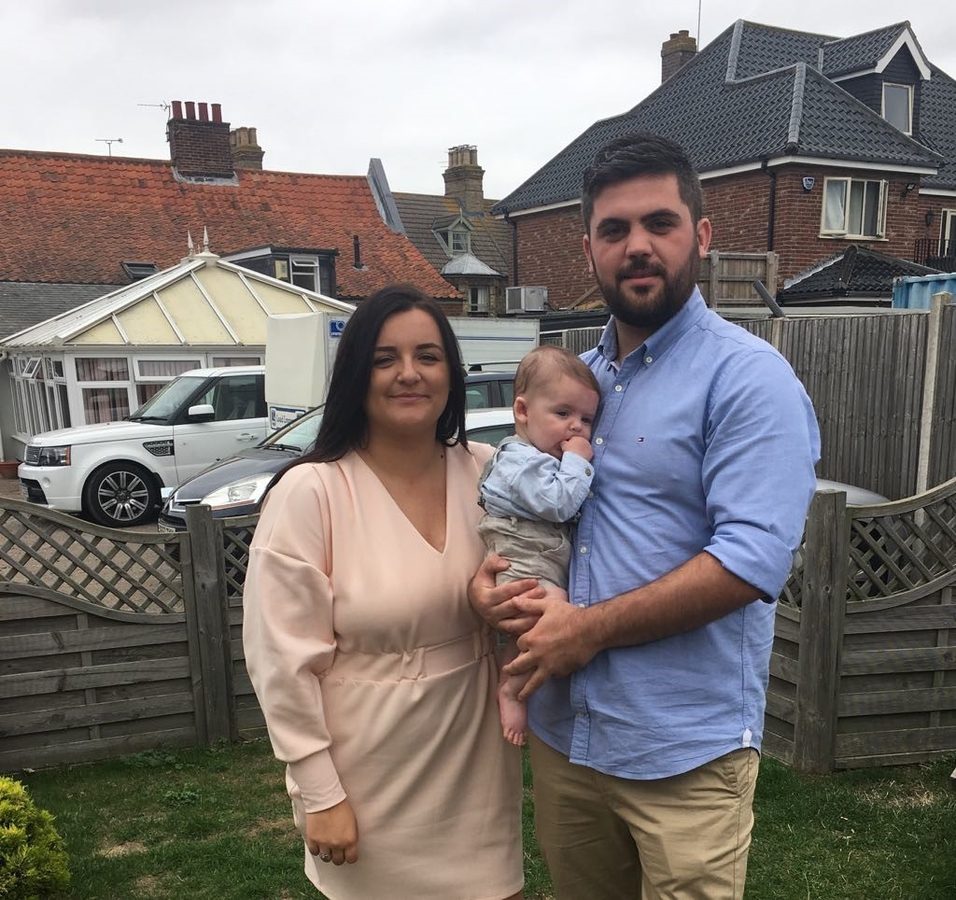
x,y
806,145
77,226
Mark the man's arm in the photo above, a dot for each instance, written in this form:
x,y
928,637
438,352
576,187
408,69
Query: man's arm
x,y
496,604
565,637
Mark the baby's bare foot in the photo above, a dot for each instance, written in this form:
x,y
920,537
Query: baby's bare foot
x,y
514,718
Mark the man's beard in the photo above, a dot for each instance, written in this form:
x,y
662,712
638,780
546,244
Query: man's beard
x,y
657,305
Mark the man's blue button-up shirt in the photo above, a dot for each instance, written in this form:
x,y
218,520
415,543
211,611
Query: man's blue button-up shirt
x,y
705,441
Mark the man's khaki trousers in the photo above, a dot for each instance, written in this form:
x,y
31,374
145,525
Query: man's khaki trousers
x,y
609,838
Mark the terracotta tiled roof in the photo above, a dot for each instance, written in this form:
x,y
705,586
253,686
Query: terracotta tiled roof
x,y
71,218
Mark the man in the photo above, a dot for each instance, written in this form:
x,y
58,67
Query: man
x,y
651,684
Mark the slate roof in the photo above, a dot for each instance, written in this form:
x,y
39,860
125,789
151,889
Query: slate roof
x,y
421,213
23,304
73,219
856,272
754,93
861,51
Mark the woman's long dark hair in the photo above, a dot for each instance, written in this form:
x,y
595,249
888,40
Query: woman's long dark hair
x,y
344,423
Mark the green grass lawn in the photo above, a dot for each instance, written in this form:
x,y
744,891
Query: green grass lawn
x,y
216,823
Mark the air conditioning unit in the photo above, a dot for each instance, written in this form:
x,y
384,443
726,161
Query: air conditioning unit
x,y
525,299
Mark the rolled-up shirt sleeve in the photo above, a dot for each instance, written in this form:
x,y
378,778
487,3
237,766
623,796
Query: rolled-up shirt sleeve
x,y
762,443
287,631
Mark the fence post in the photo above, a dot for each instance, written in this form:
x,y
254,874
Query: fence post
x,y
930,374
212,624
714,288
821,632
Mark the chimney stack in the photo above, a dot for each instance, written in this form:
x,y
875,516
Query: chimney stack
x,y
246,152
676,53
199,146
463,178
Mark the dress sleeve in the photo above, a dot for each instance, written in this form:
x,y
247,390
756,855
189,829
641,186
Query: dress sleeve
x,y
287,630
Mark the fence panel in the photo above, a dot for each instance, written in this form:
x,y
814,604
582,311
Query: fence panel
x,y
80,682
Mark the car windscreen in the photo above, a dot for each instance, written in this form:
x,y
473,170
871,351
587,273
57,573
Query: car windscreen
x,y
167,402
299,435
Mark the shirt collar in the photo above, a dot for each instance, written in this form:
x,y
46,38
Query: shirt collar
x,y
664,337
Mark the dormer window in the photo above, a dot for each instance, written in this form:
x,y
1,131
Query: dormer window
x,y
311,271
459,240
898,106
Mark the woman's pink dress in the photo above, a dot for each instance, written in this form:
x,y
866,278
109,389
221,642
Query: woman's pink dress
x,y
378,681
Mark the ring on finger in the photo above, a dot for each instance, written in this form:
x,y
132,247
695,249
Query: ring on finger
x,y
326,857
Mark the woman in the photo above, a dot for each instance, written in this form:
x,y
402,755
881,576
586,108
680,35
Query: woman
x,y
376,678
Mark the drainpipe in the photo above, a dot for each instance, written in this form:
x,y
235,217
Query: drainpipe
x,y
514,248
772,202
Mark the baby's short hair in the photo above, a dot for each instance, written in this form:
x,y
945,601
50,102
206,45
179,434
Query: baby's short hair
x,y
548,361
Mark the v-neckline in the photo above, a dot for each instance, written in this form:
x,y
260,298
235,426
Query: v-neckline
x,y
402,512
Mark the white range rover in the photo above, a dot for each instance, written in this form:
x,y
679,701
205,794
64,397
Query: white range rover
x,y
114,472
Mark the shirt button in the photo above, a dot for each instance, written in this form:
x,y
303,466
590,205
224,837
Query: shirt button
x,y
587,470
584,549
648,359
599,440
620,387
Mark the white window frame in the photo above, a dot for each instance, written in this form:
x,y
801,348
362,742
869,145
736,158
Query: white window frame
x,y
947,230
846,231
37,400
303,263
462,233
479,298
909,104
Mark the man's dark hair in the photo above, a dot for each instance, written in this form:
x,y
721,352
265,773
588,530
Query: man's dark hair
x,y
638,154
344,422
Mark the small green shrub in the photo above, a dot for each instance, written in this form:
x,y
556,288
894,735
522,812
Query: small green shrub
x,y
33,861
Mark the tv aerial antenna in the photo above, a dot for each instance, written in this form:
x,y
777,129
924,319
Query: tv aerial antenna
x,y
109,143
164,106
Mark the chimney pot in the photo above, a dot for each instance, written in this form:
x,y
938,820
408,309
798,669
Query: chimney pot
x,y
246,152
198,147
217,112
177,109
463,178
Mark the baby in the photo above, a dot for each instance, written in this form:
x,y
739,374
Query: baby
x,y
534,485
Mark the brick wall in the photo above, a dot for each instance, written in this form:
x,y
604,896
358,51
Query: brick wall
x,y
550,253
798,218
200,147
549,243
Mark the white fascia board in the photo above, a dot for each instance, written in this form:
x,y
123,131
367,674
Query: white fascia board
x,y
730,170
906,38
936,192
538,209
851,164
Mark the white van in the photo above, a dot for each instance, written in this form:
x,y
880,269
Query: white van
x,y
114,472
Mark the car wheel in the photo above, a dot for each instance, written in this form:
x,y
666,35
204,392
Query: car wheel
x,y
121,494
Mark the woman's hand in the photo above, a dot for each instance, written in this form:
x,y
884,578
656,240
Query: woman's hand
x,y
332,834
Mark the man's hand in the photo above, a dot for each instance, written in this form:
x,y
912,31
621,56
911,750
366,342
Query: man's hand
x,y
579,446
561,642
332,834
496,604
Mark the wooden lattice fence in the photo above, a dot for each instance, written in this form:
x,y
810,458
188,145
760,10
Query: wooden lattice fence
x,y
863,671
113,642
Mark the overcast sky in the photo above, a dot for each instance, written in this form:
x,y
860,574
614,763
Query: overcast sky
x,y
331,84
